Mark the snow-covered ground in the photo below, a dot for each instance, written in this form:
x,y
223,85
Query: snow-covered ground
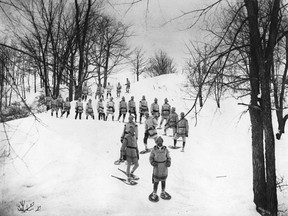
x,y
65,165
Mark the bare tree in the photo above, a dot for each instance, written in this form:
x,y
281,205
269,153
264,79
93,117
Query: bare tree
x,y
160,64
138,62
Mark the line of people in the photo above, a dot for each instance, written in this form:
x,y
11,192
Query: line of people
x,y
100,90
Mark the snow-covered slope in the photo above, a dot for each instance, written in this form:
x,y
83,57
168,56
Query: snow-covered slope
x,y
65,165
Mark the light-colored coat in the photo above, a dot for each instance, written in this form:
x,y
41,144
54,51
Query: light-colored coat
x,y
150,126
182,127
129,148
161,156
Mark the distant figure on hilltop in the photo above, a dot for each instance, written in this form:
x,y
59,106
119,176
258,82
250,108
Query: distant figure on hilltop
x,y
66,107
48,100
79,108
127,85
54,106
109,90
118,89
60,103
99,91
84,91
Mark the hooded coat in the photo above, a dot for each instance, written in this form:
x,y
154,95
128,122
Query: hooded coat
x,y
161,156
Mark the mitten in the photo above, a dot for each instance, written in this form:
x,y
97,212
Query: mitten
x,y
168,163
154,163
121,139
186,134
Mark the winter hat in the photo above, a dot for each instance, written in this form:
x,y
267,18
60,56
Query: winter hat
x,y
159,139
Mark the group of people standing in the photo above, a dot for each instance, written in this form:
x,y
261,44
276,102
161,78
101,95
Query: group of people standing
x,y
159,157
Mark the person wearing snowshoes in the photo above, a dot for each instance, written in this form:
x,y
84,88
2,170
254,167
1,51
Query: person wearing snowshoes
x,y
66,107
150,129
132,107
110,108
100,109
127,85
118,89
127,126
89,109
172,121
122,109
165,112
182,130
48,100
54,106
129,152
109,90
143,108
84,91
160,160
155,108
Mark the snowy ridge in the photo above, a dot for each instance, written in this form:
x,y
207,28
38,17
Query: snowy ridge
x,y
67,164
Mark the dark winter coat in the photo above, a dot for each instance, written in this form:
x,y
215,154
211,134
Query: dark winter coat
x,y
160,160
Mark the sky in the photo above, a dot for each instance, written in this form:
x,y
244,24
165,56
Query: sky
x,y
156,27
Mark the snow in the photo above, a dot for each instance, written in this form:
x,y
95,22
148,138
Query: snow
x,y
65,165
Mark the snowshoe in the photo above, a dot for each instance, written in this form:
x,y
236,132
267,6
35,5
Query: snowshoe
x,y
165,196
145,151
117,162
153,197
134,177
174,147
182,150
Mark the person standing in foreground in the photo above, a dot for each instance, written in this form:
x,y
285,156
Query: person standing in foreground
x,y
130,150
182,130
127,126
160,160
